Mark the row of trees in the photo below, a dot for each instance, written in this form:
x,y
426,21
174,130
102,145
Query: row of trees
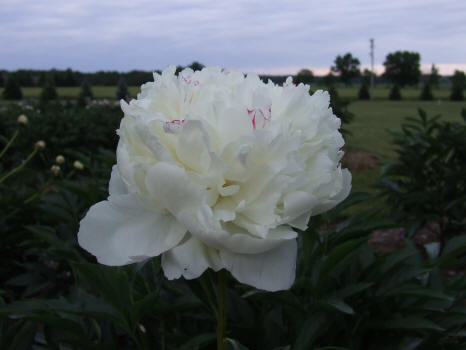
x,y
401,68
70,78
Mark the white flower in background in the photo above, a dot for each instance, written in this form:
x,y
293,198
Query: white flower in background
x,y
40,144
78,165
55,169
216,170
60,159
22,119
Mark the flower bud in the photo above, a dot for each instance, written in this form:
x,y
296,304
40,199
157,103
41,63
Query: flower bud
x,y
22,119
55,169
40,145
78,165
60,159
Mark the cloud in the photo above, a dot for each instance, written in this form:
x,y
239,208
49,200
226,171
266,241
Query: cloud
x,y
260,34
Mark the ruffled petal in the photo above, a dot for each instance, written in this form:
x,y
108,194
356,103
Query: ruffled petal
x,y
121,231
272,271
190,259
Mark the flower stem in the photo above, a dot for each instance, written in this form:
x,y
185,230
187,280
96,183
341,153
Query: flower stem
x,y
19,167
9,143
221,310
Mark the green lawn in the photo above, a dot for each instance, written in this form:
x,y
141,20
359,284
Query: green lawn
x,y
369,132
381,92
378,93
99,92
373,118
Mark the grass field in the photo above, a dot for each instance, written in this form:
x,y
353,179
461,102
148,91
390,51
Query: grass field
x,y
378,93
369,131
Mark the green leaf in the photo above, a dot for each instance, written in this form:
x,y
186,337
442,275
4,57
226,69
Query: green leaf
x,y
234,344
352,289
410,322
419,292
454,247
199,341
338,304
312,327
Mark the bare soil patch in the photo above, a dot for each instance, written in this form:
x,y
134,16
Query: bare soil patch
x,y
358,161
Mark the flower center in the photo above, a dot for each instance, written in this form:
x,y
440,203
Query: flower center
x,y
174,126
260,116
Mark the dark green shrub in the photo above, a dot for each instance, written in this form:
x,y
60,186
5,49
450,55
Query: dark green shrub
x,y
395,93
426,93
85,95
12,89
457,93
122,90
363,93
48,92
427,182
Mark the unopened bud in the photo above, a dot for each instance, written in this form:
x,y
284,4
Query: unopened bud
x,y
55,169
142,328
78,165
60,159
22,119
40,144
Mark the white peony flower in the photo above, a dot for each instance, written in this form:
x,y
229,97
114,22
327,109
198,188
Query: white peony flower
x,y
215,169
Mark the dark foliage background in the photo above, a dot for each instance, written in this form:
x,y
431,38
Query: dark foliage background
x,y
347,295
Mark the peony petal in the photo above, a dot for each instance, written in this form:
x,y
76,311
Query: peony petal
x,y
190,259
116,185
271,271
338,197
121,231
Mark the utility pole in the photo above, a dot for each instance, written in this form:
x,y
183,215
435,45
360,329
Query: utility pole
x,y
372,63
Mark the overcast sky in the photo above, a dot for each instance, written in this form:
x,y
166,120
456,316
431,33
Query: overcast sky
x,y
266,36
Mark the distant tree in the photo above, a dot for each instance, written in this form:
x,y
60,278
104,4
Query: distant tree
x,y
85,95
363,93
48,92
196,66
69,78
458,84
403,68
366,77
395,93
426,93
434,77
178,69
329,80
347,67
12,89
122,91
304,76
459,79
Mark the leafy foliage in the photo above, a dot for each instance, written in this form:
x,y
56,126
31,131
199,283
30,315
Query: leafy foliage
x,y
304,76
54,296
427,183
12,89
363,93
347,67
426,93
458,85
403,67
122,90
395,93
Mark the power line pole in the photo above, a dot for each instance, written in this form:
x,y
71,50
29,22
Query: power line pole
x,y
372,63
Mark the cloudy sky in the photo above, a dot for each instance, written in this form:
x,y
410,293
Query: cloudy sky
x,y
265,36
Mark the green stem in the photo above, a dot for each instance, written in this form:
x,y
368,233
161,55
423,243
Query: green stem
x,y
221,311
9,143
19,167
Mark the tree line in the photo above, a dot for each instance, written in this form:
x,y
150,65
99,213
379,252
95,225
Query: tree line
x,y
402,68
